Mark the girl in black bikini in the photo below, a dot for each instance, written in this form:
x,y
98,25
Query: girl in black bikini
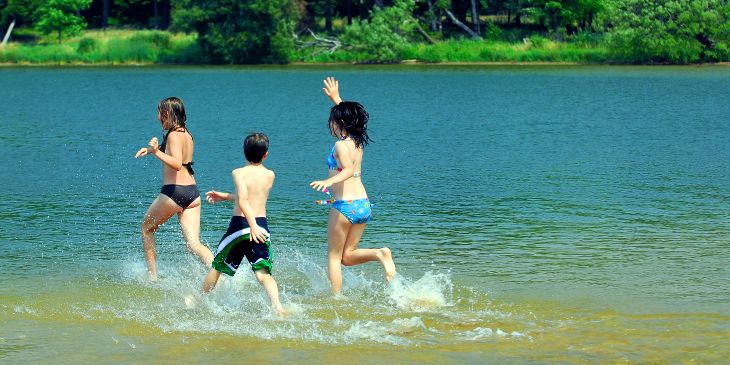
x,y
179,193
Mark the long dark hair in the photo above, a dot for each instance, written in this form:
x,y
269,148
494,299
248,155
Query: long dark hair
x,y
351,117
172,112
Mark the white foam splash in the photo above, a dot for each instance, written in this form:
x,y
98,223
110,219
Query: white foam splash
x,y
385,332
23,309
431,291
240,307
480,333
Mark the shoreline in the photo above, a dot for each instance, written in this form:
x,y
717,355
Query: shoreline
x,y
407,63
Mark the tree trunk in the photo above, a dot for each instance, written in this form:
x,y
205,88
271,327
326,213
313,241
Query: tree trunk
x,y
509,16
590,22
155,14
424,34
328,16
475,16
518,19
167,14
8,32
432,25
348,8
461,25
105,13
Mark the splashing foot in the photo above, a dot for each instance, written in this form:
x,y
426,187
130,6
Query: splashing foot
x,y
280,311
386,259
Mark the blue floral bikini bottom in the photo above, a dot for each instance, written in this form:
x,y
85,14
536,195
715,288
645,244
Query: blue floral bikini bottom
x,y
356,211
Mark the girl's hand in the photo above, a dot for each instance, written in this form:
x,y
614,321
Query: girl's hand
x,y
215,196
154,145
144,151
332,89
320,185
257,234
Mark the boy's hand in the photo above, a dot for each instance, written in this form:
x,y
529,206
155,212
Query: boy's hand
x,y
332,89
257,234
144,151
215,196
320,185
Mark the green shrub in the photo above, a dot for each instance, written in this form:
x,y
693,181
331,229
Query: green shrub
x,y
383,37
537,41
158,39
86,45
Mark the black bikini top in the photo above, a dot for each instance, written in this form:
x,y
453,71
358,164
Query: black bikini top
x,y
189,165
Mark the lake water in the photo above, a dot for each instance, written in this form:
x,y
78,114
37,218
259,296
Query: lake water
x,y
536,214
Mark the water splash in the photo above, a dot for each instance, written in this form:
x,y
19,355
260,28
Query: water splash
x,y
432,291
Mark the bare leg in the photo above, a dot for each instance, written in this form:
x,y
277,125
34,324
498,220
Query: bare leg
x,y
352,255
272,290
210,280
190,225
161,209
337,228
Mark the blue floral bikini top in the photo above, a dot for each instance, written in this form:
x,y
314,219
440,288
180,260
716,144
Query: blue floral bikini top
x,y
332,162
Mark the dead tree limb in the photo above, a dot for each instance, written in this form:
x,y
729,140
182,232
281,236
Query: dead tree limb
x,y
462,25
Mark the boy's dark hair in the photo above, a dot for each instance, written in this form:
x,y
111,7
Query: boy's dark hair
x,y
255,147
351,117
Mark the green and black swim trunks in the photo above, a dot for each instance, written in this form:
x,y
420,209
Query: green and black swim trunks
x,y
236,244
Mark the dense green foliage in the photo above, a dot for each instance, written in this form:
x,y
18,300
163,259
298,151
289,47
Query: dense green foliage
x,y
233,31
385,31
671,31
59,17
384,36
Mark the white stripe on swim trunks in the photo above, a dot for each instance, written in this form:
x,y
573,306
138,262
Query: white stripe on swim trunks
x,y
235,235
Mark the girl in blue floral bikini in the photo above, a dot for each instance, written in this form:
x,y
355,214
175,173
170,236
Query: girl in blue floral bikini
x,y
350,205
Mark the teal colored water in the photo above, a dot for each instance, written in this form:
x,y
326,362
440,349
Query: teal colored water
x,y
543,214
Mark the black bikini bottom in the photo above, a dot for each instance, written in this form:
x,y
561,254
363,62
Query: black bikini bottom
x,y
182,195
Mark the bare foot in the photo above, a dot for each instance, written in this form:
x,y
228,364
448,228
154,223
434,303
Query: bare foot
x,y
153,276
386,259
280,312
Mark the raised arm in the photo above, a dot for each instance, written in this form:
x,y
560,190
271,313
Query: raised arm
x,y
257,235
332,89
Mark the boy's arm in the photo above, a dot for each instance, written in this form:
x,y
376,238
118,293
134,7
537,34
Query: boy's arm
x,y
348,170
257,235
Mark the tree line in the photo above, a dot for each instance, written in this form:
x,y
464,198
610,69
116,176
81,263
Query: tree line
x,y
269,31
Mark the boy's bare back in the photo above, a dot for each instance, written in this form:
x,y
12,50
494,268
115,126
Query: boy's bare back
x,y
258,181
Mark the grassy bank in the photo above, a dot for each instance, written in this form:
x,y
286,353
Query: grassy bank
x,y
535,49
119,47
108,47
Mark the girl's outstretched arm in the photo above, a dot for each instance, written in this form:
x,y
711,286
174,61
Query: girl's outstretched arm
x,y
348,170
332,89
144,151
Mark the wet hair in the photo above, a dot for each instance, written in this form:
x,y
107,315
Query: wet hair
x,y
350,117
255,147
172,112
